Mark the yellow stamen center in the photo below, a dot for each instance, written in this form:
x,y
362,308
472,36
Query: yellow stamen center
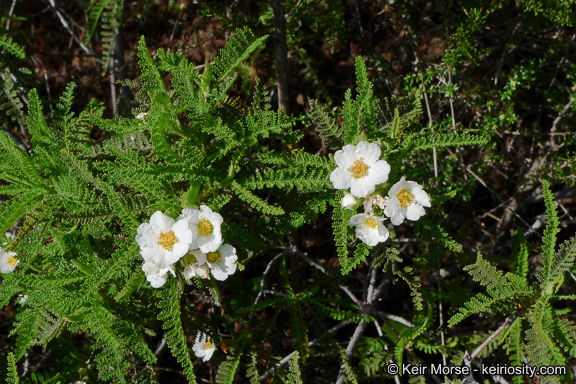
x,y
167,240
205,227
208,344
12,261
405,198
190,258
359,169
213,257
371,222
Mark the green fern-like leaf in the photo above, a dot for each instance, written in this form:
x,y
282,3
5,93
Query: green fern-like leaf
x,y
515,346
151,79
503,290
132,285
549,240
521,255
359,112
326,126
301,178
13,75
252,370
341,217
395,115
94,12
228,369
12,374
255,202
236,51
170,312
416,142
294,373
111,21
10,103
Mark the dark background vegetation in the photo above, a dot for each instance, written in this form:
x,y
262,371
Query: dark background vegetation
x,y
499,68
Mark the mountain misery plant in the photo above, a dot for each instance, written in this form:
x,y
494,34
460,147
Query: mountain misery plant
x,y
156,199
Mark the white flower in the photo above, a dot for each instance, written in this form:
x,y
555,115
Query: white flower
x,y
155,275
205,226
348,201
7,261
359,169
203,347
23,299
369,228
407,200
222,262
196,265
163,241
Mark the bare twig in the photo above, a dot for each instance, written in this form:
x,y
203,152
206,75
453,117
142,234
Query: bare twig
x,y
264,277
371,294
122,72
69,29
315,264
508,322
431,128
310,344
112,80
10,13
395,318
161,348
294,9
281,54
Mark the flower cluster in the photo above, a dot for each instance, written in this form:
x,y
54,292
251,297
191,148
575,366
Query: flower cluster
x,y
360,170
195,239
7,261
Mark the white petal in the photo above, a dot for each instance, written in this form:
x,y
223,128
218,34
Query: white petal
x,y
188,213
361,187
394,211
218,273
358,219
370,152
345,157
163,222
147,235
182,232
378,172
153,255
421,197
367,235
211,242
393,192
414,212
383,232
208,353
178,250
340,178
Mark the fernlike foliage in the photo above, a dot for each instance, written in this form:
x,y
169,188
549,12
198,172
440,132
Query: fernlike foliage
x,y
110,13
13,75
539,335
79,203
